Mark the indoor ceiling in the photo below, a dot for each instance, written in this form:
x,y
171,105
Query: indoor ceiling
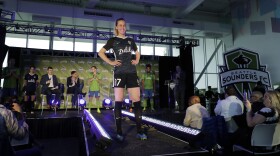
x,y
182,17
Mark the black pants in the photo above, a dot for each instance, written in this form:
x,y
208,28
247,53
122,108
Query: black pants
x,y
49,92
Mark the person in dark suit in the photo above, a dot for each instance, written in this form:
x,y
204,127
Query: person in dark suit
x,y
50,84
73,86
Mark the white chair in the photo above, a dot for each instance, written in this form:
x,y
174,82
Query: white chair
x,y
264,136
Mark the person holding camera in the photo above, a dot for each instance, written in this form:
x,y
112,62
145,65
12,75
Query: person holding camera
x,y
13,127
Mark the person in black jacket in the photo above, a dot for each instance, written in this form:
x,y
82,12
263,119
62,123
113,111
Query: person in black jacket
x,y
50,84
73,87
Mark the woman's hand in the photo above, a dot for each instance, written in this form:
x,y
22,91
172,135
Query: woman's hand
x,y
134,62
248,105
116,63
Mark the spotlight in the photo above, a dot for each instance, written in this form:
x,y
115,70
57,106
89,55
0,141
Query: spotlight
x,y
107,103
81,101
127,103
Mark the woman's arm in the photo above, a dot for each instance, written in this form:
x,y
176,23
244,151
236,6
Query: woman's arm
x,y
103,56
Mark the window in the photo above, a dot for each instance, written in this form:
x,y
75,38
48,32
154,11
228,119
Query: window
x,y
161,50
83,45
147,49
63,44
38,42
175,51
15,40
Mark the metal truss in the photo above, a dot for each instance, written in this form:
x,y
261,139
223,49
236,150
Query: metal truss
x,y
91,34
7,16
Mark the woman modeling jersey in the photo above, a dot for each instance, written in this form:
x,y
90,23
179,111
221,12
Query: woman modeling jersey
x,y
125,75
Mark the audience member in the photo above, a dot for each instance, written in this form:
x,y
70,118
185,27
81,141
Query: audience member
x,y
209,94
268,114
260,87
229,107
195,113
256,99
13,126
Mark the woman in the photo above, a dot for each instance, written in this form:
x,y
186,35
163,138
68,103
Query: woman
x,y
269,114
125,75
31,81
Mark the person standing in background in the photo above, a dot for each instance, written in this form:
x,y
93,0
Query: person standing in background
x,y
11,76
179,90
94,88
31,81
148,87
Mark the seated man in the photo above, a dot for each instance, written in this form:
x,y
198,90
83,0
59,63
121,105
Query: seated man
x,y
194,113
229,107
74,87
49,84
12,128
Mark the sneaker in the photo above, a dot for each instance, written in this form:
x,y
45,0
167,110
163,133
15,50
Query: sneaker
x,y
144,109
120,138
152,109
141,136
98,110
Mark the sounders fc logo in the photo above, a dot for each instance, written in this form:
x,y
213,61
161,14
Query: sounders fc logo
x,y
243,70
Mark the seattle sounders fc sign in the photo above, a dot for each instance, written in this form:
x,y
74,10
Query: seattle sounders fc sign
x,y
243,70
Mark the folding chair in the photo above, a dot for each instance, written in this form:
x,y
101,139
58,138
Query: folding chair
x,y
265,140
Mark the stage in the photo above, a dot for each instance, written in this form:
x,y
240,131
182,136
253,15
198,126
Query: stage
x,y
61,134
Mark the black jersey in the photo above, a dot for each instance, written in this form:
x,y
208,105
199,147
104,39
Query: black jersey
x,y
122,49
31,81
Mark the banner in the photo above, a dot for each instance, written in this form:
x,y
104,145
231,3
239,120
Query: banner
x,y
62,67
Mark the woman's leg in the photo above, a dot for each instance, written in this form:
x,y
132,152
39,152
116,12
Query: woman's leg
x,y
134,95
118,108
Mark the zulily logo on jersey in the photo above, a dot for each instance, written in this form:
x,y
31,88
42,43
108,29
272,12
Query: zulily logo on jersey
x,y
243,70
127,49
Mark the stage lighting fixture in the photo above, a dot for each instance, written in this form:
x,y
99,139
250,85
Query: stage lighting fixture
x,y
81,101
107,103
103,138
166,126
127,103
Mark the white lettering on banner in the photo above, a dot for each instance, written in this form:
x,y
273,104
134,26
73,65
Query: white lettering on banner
x,y
244,75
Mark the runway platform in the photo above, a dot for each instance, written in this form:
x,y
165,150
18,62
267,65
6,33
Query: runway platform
x,y
62,134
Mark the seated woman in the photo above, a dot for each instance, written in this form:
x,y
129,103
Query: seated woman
x,y
267,115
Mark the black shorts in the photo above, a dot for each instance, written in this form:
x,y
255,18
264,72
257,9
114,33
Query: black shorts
x,y
127,80
29,92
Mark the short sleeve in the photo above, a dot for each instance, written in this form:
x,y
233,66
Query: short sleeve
x,y
109,44
134,46
266,112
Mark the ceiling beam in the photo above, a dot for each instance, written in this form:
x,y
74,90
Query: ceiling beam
x,y
91,4
187,7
